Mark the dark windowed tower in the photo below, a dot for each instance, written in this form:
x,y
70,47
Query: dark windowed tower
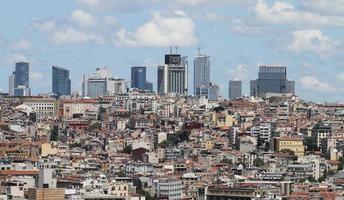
x,y
272,80
138,77
61,84
22,75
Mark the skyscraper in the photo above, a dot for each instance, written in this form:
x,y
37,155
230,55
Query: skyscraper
x,y
96,86
173,76
101,83
234,89
19,80
22,74
201,72
138,77
272,80
61,84
11,82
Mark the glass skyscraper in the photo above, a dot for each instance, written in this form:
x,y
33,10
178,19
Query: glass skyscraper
x,y
21,75
201,73
61,84
19,80
234,89
272,80
138,77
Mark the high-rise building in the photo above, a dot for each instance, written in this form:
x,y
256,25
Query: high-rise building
x,y
22,74
61,84
11,82
213,91
101,83
19,80
161,79
173,76
96,86
271,81
116,86
234,89
138,77
201,72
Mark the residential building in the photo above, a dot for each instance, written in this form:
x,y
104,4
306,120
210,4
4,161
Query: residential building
x,y
167,188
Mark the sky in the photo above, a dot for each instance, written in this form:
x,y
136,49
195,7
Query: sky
x,y
238,35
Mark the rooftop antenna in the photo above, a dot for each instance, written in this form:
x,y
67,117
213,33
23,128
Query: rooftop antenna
x,y
199,51
176,49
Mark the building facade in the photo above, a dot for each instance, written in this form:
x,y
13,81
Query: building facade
x,y
19,80
61,83
272,81
173,76
138,77
201,73
235,89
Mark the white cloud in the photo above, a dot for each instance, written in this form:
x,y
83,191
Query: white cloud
x,y
36,76
240,73
116,5
22,45
110,21
82,18
73,36
284,12
240,27
340,77
324,6
314,84
311,41
163,30
44,25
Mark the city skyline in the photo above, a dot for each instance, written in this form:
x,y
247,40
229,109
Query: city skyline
x,y
242,36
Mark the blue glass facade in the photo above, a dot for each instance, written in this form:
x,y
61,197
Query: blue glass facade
x,y
21,74
61,84
138,77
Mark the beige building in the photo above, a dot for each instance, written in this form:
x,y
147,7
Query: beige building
x,y
46,194
293,144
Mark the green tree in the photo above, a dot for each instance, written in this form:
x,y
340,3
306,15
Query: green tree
x,y
54,135
100,113
258,162
127,149
310,144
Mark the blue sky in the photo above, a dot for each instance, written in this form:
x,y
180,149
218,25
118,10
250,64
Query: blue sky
x,y
238,35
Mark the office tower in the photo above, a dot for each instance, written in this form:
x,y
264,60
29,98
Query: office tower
x,y
234,89
19,80
161,79
201,72
173,76
272,81
138,77
101,83
116,86
213,91
61,84
22,74
96,86
11,82
149,86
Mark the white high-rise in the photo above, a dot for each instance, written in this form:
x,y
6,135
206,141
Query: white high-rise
x,y
201,73
173,76
101,83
